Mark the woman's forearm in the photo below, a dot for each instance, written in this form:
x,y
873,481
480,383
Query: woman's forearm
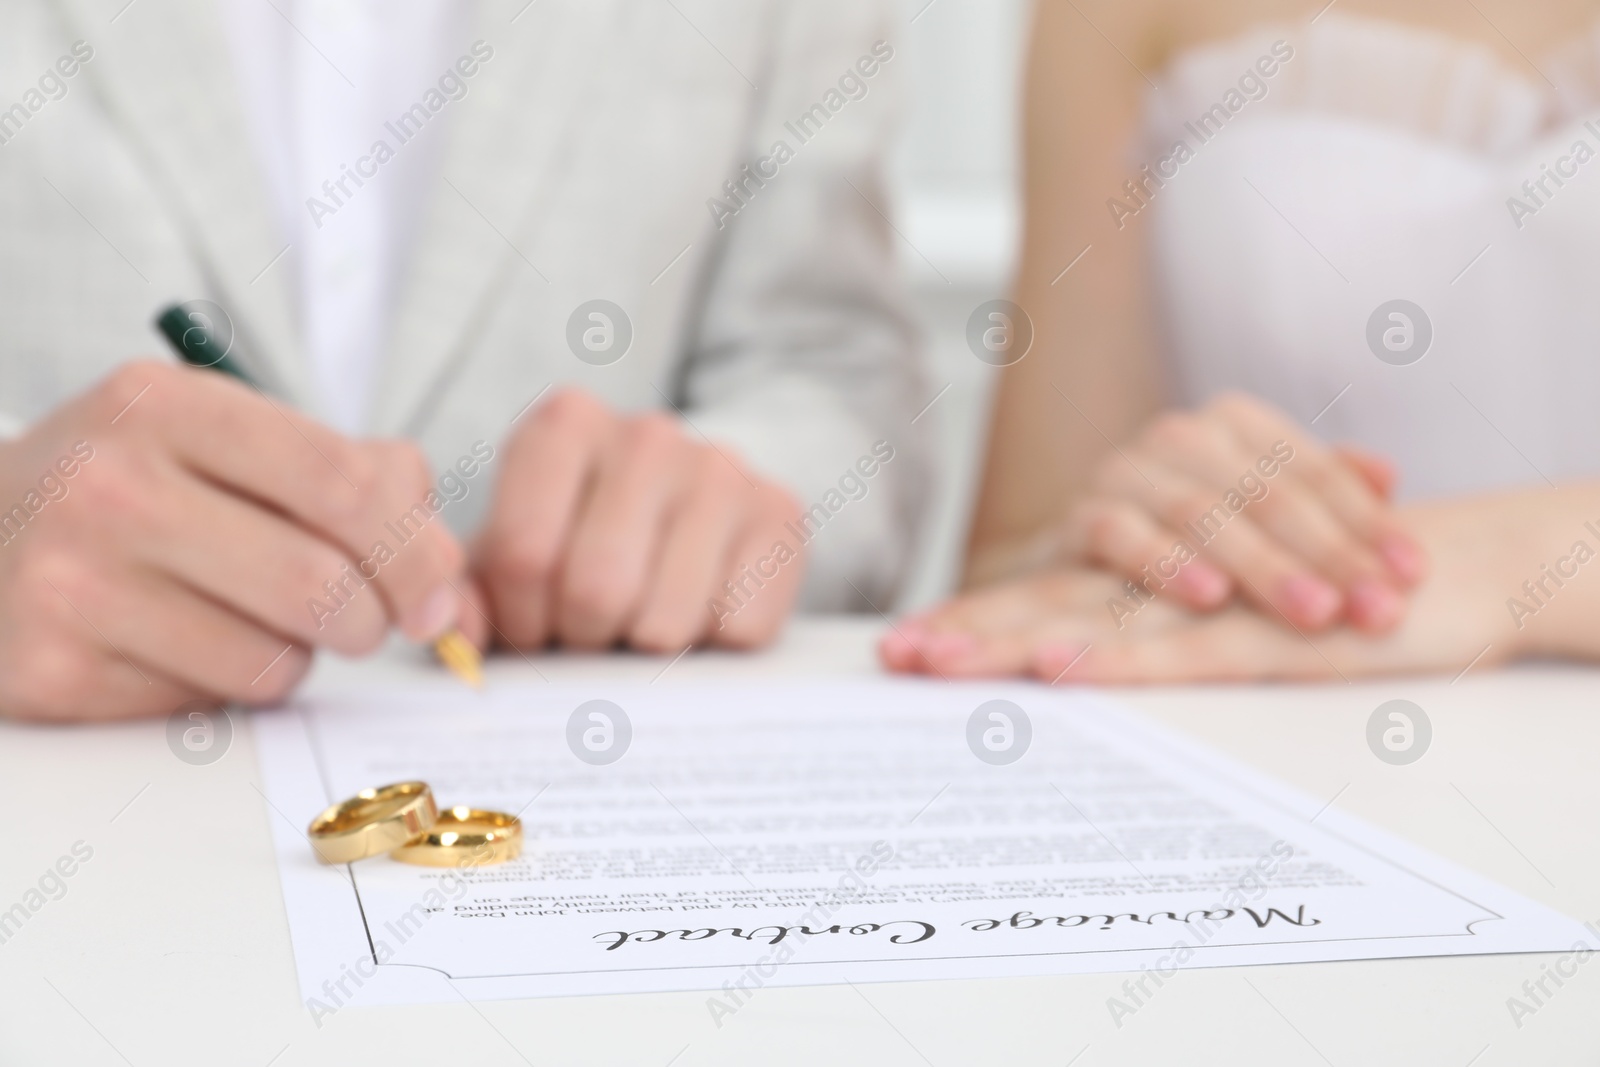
x,y
1090,372
1531,557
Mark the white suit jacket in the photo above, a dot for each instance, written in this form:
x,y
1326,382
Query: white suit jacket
x,y
587,161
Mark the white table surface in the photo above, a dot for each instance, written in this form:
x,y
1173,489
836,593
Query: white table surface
x,y
171,946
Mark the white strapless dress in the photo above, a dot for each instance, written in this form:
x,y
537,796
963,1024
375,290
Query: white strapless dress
x,y
1378,167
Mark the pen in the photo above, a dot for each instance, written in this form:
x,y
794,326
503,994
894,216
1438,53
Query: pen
x,y
191,338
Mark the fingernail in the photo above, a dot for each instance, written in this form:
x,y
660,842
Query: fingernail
x,y
913,627
1403,556
433,616
1053,658
1310,600
896,649
1374,605
1204,582
949,645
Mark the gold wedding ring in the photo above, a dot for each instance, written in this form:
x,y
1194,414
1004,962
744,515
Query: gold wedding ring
x,y
372,822
465,837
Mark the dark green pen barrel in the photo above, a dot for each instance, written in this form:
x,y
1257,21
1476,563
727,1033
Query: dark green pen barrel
x,y
194,342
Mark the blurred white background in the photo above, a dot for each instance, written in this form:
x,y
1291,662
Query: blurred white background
x,y
955,184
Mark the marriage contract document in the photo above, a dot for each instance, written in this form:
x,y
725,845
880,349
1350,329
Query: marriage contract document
x,y
730,837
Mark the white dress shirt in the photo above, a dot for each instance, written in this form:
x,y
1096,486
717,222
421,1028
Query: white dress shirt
x,y
582,162
319,79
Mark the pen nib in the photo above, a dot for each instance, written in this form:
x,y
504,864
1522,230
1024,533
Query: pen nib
x,y
459,654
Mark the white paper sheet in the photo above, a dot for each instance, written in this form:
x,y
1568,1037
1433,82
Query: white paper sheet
x,y
766,834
